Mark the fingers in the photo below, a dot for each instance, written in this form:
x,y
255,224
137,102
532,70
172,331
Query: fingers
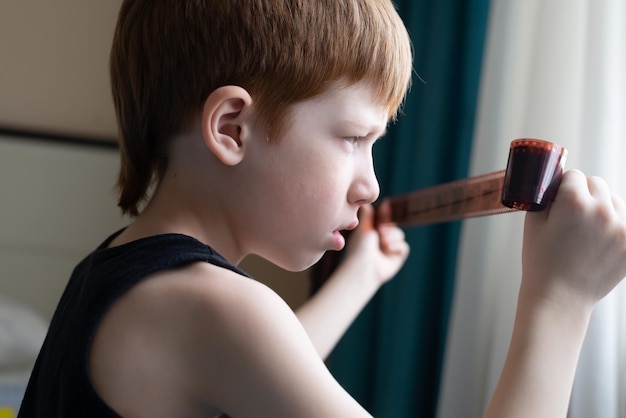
x,y
599,190
392,239
366,218
573,182
578,189
582,244
620,206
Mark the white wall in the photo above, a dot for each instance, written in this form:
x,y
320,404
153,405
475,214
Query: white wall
x,y
56,203
54,73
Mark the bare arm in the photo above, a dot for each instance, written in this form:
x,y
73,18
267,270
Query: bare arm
x,y
573,256
374,257
254,359
539,370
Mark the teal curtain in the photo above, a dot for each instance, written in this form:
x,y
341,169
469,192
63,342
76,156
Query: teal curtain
x,y
390,360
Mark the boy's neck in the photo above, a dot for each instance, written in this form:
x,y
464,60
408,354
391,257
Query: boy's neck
x,y
185,202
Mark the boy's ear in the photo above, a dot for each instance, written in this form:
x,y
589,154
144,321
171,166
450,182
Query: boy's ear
x,y
225,119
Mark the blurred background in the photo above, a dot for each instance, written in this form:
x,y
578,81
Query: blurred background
x,y
433,341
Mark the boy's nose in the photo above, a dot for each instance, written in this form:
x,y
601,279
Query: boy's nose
x,y
365,188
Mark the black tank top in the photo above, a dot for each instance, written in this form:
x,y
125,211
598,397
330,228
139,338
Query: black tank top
x,y
59,385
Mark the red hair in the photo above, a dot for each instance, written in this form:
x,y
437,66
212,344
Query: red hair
x,y
168,56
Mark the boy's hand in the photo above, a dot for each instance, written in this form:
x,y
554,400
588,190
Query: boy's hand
x,y
381,250
373,256
575,252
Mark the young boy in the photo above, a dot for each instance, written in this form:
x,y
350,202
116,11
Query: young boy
x,y
247,127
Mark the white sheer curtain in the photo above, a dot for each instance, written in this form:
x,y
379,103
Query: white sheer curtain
x,y
556,70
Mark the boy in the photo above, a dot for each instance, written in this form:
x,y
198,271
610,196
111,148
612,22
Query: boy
x,y
247,127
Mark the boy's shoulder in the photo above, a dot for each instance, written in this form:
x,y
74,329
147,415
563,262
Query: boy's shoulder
x,y
198,301
198,332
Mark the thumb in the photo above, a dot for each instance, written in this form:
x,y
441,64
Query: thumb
x,y
366,218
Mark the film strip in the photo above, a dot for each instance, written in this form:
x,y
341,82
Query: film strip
x,y
529,183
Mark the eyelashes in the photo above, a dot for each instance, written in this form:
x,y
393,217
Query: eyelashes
x,y
356,141
353,140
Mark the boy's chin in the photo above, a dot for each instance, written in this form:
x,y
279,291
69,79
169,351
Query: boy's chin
x,y
298,264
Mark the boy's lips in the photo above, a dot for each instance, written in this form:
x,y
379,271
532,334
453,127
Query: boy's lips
x,y
351,226
339,241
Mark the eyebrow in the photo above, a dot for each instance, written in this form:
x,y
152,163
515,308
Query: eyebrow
x,y
372,130
377,134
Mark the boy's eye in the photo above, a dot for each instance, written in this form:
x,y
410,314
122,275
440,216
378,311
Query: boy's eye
x,y
353,139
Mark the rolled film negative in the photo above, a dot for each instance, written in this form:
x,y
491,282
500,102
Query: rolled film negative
x,y
529,183
533,174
